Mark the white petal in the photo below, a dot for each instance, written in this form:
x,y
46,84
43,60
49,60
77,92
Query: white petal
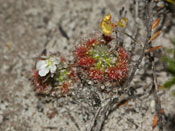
x,y
52,69
44,57
43,72
56,60
41,64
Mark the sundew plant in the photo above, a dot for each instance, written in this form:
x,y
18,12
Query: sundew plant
x,y
100,76
95,57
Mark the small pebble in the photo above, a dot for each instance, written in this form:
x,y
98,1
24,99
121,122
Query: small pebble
x,y
102,87
90,82
152,104
1,119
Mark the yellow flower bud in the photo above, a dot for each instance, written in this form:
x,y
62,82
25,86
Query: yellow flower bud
x,y
123,22
107,26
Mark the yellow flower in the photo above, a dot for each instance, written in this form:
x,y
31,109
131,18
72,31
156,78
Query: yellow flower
x,y
123,22
107,26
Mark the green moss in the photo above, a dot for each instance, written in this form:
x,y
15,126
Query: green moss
x,y
103,57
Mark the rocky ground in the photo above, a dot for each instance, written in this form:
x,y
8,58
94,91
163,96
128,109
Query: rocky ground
x,y
29,27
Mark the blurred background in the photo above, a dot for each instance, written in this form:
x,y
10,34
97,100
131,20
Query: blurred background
x,y
29,28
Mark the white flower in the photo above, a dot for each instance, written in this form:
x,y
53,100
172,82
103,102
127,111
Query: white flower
x,y
44,66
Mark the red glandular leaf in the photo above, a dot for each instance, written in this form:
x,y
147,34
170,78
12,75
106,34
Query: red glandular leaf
x,y
95,74
82,51
86,61
91,42
72,74
39,81
123,54
122,64
120,71
117,73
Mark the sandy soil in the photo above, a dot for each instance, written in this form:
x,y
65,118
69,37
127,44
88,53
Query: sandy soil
x,y
26,29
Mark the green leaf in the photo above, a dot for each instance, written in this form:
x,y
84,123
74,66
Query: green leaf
x,y
170,63
173,93
169,83
170,51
